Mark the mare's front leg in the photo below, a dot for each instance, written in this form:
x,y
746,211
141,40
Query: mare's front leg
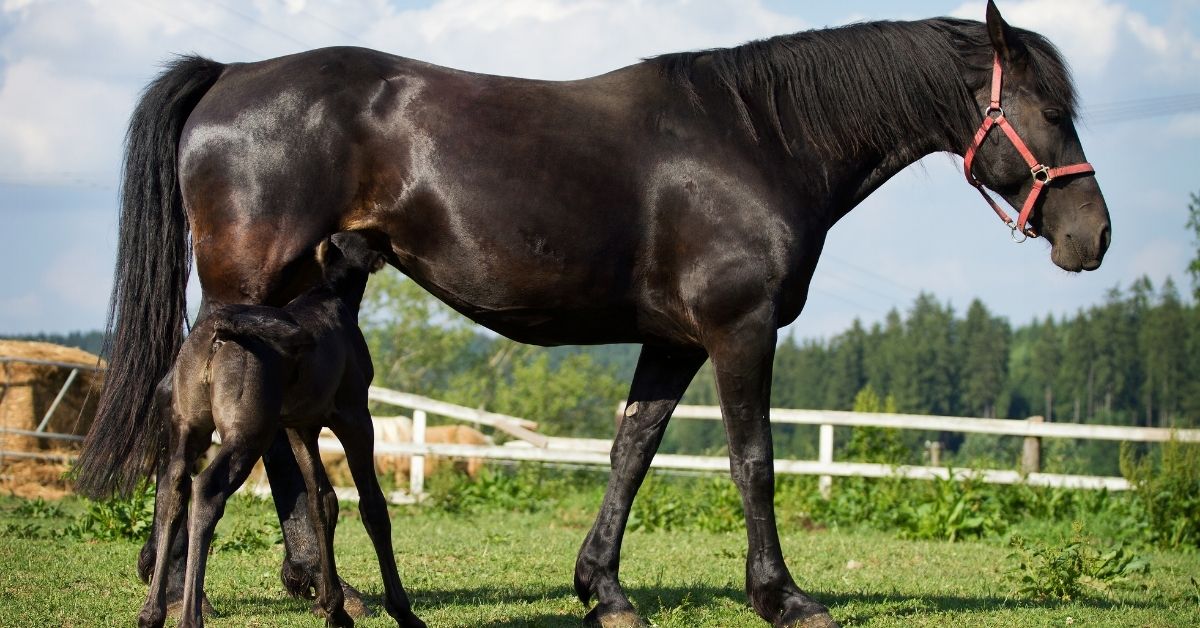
x,y
661,377
357,435
323,511
742,356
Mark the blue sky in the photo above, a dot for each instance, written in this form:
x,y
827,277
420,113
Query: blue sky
x,y
70,72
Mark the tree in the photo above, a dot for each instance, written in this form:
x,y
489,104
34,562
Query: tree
x,y
420,345
1046,356
846,374
985,341
926,376
1193,223
1162,341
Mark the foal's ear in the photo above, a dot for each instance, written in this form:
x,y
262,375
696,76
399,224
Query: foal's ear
x,y
1004,38
378,263
322,251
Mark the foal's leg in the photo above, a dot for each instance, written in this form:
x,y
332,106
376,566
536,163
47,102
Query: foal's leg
x,y
211,489
323,511
357,437
742,360
170,504
178,541
661,377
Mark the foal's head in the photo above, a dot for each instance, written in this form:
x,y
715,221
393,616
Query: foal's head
x,y
1038,100
347,258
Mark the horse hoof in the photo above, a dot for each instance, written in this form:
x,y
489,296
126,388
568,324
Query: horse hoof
x,y
616,619
820,619
175,609
352,602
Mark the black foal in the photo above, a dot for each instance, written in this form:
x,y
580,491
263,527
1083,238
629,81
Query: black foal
x,y
247,371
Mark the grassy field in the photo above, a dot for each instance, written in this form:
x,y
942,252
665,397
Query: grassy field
x,y
514,569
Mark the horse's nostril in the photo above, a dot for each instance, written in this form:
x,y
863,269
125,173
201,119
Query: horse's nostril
x,y
1105,238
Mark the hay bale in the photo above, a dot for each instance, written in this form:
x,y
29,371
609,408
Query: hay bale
x,y
27,391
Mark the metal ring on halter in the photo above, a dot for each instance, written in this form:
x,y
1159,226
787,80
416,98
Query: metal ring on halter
x,y
987,112
1015,231
1042,170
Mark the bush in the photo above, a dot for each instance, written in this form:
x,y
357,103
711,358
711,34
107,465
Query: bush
x,y
120,518
1066,571
1166,493
707,504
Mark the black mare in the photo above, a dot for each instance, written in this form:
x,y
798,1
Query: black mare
x,y
680,203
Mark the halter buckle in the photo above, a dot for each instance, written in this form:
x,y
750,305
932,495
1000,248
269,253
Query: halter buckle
x,y
1015,232
996,109
1042,173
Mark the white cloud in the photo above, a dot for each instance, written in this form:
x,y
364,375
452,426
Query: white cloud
x,y
58,126
72,70
1085,30
1090,32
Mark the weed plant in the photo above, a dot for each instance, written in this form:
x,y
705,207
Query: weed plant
x,y
1074,567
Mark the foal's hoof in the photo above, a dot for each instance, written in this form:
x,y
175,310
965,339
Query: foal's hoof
x,y
614,619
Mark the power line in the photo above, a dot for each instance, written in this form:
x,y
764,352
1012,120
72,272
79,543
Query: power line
x,y
262,25
1140,108
330,25
223,38
866,271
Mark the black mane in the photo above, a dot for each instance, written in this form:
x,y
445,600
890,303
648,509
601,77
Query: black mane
x,y
869,86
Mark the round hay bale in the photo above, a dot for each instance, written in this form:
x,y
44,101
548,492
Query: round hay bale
x,y
27,391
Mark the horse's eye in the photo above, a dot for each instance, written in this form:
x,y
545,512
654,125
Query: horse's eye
x,y
1053,116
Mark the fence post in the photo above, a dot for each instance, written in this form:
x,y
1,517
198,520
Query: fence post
x,y
935,452
1031,454
825,456
416,469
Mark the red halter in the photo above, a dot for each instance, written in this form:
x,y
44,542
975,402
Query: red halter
x,y
1041,173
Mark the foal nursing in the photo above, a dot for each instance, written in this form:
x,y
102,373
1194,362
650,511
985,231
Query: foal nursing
x,y
248,371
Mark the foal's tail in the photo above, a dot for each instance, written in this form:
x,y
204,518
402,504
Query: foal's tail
x,y
256,323
148,307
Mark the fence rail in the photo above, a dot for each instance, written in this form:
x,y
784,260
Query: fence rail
x,y
532,446
595,451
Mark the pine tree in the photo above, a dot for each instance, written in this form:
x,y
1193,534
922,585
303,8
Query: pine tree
x,y
927,374
985,341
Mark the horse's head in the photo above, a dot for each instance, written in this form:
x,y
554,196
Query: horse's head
x,y
1037,100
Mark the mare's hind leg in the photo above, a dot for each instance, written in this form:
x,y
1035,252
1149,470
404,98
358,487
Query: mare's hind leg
x,y
357,437
742,360
170,505
301,567
323,511
661,377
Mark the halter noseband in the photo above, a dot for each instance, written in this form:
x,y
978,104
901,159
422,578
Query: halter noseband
x,y
1042,174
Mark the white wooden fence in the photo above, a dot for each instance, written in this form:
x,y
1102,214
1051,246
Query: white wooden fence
x,y
528,445
595,452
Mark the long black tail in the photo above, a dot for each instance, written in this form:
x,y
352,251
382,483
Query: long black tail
x,y
148,307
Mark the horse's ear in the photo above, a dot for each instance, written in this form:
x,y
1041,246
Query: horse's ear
x,y
322,251
1005,40
379,262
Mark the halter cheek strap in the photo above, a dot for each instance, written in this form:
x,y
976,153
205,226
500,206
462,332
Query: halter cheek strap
x,y
993,116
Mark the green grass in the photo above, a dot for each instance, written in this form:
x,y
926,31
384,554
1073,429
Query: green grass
x,y
498,569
